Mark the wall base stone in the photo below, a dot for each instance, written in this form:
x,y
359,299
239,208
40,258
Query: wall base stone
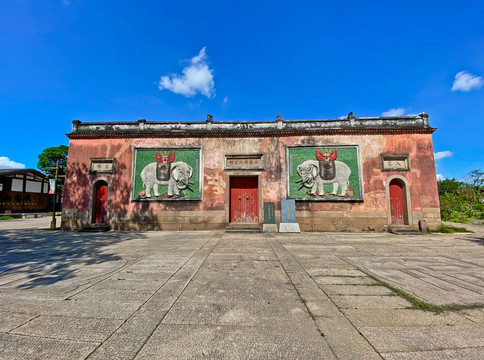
x,y
216,220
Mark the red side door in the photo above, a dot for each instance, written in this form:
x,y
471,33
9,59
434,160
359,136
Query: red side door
x,y
396,203
101,204
243,199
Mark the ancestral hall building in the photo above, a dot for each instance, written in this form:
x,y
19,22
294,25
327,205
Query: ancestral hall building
x,y
353,174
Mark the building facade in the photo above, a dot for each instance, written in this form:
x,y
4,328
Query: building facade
x,y
353,174
23,190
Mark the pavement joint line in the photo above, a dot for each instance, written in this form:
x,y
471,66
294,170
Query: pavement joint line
x,y
25,323
51,338
463,261
411,297
215,238
318,254
429,279
102,278
429,272
274,243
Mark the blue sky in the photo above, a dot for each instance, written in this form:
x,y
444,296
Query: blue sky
x,y
240,60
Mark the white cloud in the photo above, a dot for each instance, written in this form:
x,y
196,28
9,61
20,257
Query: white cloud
x,y
6,163
195,77
226,100
442,154
394,112
440,177
466,82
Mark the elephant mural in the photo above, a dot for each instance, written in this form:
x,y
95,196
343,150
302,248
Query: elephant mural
x,y
314,174
178,180
309,171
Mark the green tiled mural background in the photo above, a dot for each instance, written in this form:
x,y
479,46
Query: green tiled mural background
x,y
347,155
144,157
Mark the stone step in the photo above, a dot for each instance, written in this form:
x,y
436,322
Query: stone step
x,y
243,227
95,228
403,230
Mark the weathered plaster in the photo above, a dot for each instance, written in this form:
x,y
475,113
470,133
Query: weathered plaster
x,y
417,142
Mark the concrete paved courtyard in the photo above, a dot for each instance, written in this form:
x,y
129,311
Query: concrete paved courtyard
x,y
216,295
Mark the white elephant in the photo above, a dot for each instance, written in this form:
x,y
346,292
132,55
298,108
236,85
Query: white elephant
x,y
311,177
179,180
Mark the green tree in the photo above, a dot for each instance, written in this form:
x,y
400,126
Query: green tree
x,y
462,201
49,157
449,186
476,179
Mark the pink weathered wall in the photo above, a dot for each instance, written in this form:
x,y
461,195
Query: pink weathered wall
x,y
79,183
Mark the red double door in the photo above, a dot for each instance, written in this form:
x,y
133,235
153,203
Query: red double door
x,y
101,204
396,203
243,199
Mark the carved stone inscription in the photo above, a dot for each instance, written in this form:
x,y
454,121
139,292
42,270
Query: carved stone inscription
x,y
269,213
244,162
288,211
101,166
395,162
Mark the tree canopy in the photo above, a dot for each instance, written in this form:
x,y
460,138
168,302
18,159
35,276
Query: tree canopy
x,y
462,200
49,157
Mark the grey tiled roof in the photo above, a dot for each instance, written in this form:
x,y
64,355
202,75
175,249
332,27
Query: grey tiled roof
x,y
20,171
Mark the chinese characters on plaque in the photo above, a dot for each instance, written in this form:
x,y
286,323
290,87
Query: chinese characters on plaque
x,y
101,166
244,162
395,162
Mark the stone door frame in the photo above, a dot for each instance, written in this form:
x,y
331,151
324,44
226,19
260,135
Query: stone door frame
x,y
244,173
407,206
93,198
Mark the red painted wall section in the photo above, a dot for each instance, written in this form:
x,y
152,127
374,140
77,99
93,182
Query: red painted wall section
x,y
421,178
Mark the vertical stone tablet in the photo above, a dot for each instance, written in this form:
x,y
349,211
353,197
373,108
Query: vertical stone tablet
x,y
269,217
288,217
288,211
269,213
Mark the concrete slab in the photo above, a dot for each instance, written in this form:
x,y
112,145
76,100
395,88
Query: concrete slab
x,y
269,228
423,338
475,315
289,228
69,328
11,320
14,347
343,280
345,340
228,342
210,294
454,354
403,317
370,302
362,290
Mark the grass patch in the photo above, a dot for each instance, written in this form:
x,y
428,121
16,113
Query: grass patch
x,y
6,218
418,304
452,229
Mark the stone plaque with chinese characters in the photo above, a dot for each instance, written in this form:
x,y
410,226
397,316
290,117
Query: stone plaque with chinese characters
x,y
101,165
244,162
288,211
395,162
288,217
269,213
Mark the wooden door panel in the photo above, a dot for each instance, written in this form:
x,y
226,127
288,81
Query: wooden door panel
x,y
243,199
102,204
396,204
